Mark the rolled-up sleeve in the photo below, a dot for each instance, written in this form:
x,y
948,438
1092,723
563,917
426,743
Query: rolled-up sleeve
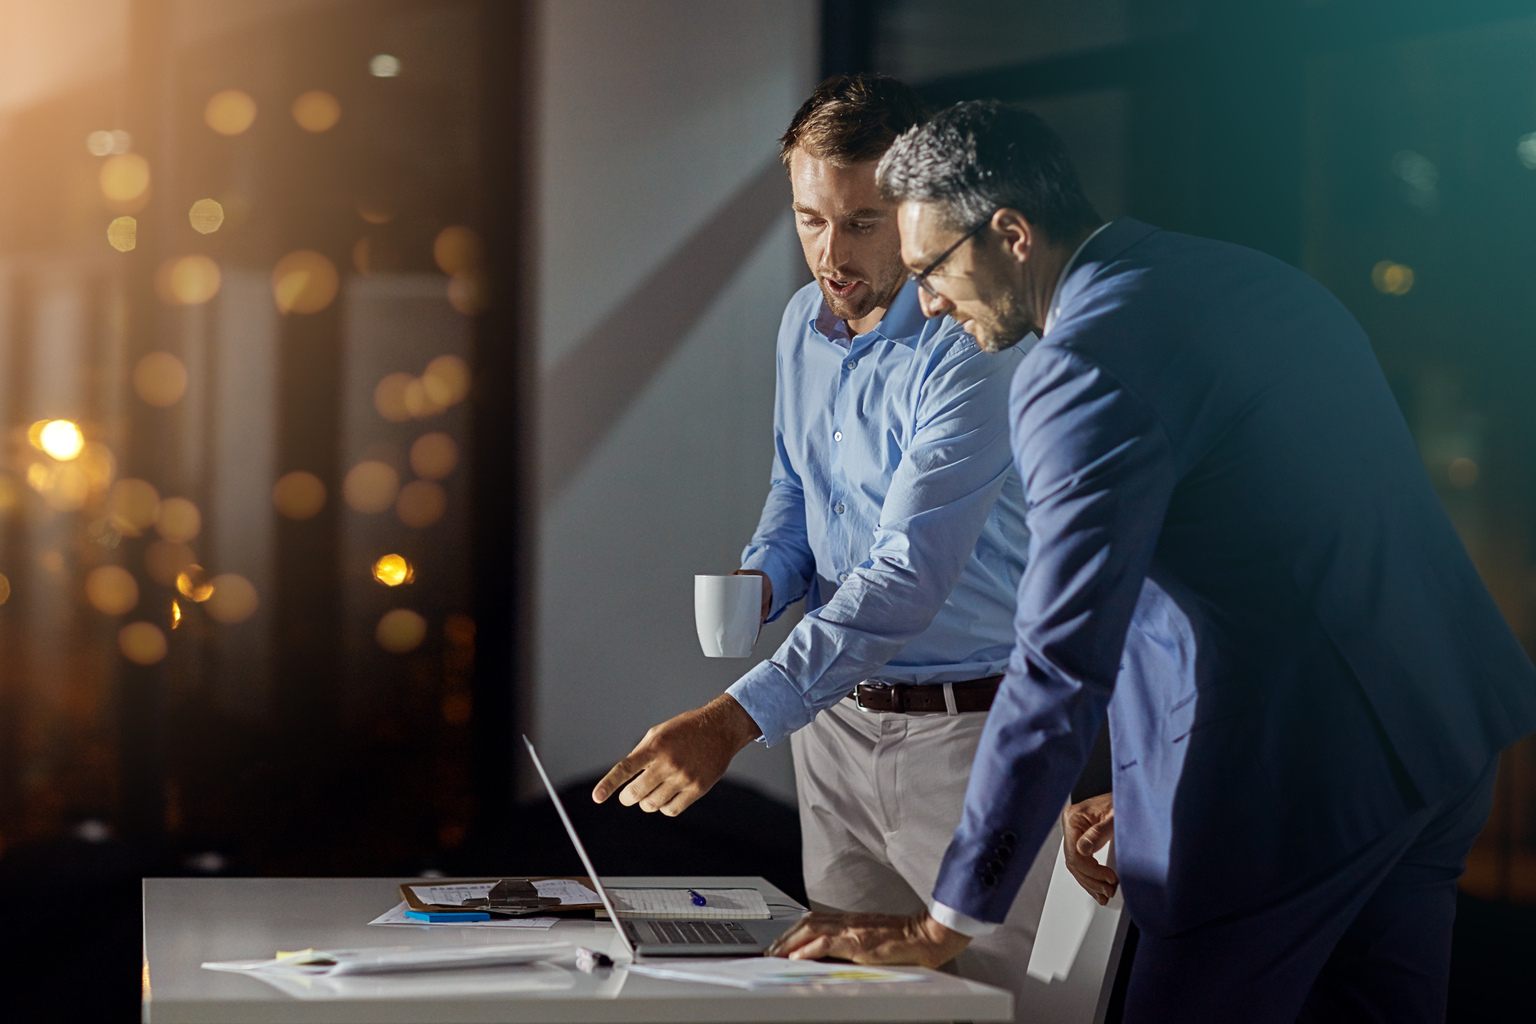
x,y
780,546
1098,473
939,498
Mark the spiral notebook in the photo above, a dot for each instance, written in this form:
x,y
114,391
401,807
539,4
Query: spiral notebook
x,y
719,904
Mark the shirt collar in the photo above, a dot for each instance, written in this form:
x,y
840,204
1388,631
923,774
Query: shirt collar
x,y
1050,316
902,323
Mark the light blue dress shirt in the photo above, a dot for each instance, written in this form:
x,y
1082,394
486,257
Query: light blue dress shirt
x,y
893,485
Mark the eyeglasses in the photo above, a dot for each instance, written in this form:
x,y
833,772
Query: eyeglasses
x,y
922,277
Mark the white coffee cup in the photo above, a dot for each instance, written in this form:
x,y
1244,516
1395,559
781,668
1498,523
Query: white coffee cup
x,y
728,612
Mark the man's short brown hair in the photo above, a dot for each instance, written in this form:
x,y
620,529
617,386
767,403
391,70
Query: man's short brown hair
x,y
852,118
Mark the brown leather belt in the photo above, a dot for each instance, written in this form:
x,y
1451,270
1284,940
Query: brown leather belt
x,y
906,698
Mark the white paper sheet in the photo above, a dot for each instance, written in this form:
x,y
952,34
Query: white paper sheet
x,y
388,959
771,972
563,889
396,916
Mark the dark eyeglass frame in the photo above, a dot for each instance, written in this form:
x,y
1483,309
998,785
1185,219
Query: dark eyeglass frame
x,y
922,277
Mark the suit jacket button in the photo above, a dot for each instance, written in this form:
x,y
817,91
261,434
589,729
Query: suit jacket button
x,y
1009,837
988,879
995,866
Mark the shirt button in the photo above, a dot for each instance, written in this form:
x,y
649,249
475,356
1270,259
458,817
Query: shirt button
x,y
837,435
838,508
851,363
842,577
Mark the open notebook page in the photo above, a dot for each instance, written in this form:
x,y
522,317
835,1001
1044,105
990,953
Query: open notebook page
x,y
721,904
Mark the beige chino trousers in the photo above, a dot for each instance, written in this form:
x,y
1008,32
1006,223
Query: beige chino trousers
x,y
880,796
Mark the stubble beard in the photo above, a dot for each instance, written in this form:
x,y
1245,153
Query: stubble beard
x,y
880,293
1003,325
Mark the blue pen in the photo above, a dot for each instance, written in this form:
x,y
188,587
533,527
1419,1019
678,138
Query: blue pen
x,y
698,900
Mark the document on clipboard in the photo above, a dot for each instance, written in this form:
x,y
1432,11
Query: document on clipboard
x,y
571,892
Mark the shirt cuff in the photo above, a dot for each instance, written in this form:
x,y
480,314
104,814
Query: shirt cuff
x,y
955,921
771,699
766,560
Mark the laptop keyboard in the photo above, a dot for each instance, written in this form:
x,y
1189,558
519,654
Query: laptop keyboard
x,y
694,933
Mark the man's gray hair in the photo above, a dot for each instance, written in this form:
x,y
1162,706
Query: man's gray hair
x,y
981,156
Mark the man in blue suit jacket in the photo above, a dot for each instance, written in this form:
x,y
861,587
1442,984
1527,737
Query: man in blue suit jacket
x,y
1235,552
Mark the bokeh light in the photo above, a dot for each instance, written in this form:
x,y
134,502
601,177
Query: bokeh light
x,y
469,295
99,465
206,216
61,439
1391,278
124,180
165,560
179,520
132,506
233,599
142,643
104,143
457,250
5,588
375,211
299,495
459,630
193,582
400,630
371,486
230,112
64,486
175,614
187,280
316,110
123,234
393,570
362,260
446,380
1525,149
421,503
384,65
389,397
434,455
304,281
1463,472
458,708
160,379
418,401
111,589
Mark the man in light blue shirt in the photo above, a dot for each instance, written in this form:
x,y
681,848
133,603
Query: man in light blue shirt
x,y
894,511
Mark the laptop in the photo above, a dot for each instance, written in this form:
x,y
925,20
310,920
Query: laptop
x,y
669,937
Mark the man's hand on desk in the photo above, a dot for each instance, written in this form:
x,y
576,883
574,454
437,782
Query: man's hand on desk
x,y
871,939
681,759
767,588
1086,827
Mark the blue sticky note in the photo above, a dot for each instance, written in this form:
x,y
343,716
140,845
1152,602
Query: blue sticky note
x,y
447,917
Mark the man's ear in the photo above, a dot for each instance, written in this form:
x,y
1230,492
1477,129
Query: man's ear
x,y
1018,235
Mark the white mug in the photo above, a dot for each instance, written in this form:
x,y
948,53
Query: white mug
x,y
728,612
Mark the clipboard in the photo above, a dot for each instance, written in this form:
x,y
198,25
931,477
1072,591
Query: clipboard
x,y
416,903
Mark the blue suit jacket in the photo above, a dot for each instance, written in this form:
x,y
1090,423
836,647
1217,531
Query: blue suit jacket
x,y
1235,550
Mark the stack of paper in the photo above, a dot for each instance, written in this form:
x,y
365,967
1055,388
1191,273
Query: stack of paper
x,y
396,916
385,959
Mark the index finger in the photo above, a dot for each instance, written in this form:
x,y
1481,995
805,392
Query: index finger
x,y
616,777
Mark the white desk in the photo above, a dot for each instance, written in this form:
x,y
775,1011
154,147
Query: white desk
x,y
190,920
